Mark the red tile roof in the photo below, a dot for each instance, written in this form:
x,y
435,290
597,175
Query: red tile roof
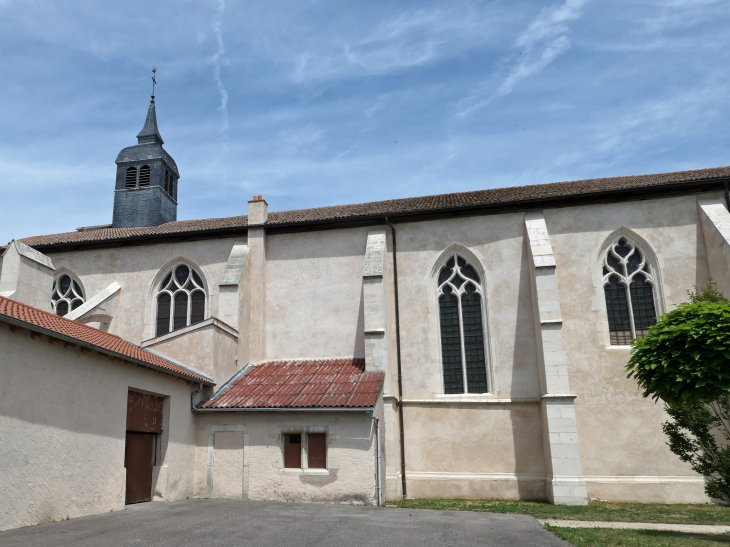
x,y
322,383
91,336
395,207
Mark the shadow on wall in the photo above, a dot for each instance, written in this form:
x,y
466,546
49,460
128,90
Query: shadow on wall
x,y
525,365
358,351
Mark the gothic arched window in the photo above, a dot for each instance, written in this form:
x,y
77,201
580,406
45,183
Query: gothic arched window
x,y
66,295
462,329
144,175
180,300
629,285
131,178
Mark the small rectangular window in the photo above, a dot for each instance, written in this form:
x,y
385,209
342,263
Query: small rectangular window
x,y
317,450
293,450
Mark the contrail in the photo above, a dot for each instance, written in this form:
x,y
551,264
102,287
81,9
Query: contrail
x,y
216,60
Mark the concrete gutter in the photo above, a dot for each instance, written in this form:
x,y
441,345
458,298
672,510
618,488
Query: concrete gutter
x,y
692,528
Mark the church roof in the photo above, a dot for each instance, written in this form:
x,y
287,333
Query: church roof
x,y
516,196
320,383
150,124
51,324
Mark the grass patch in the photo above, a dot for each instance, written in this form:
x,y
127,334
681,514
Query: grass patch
x,y
603,537
603,511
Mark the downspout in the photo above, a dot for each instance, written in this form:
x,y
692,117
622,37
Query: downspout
x,y
192,397
400,372
377,458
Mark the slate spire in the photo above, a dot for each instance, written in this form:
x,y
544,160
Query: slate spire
x,y
149,132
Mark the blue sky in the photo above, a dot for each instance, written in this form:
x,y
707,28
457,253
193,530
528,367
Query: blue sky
x,y
313,103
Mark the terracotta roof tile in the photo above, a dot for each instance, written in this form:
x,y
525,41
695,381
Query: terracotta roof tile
x,y
90,335
321,383
494,196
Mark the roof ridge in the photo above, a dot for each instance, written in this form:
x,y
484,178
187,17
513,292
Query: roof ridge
x,y
432,203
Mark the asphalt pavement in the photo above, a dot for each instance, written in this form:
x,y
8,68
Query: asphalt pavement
x,y
263,524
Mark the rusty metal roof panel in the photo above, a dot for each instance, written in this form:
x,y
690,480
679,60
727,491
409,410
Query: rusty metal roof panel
x,y
318,383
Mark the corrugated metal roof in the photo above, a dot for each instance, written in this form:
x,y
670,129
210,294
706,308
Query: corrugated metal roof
x,y
320,383
90,335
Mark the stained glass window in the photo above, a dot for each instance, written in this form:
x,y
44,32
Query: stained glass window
x,y
180,300
66,295
463,352
629,286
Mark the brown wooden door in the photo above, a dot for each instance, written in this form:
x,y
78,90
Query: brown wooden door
x,y
293,450
317,450
138,459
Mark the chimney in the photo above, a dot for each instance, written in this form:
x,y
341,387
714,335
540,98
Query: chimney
x,y
26,275
258,211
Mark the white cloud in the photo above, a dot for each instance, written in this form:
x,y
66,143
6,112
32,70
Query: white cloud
x,y
544,40
217,59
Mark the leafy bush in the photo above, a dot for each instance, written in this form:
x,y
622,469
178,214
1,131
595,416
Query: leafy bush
x,y
686,355
685,360
692,436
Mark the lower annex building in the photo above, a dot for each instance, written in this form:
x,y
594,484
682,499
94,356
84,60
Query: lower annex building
x,y
457,345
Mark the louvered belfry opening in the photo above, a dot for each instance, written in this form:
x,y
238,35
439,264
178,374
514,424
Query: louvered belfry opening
x,y
131,179
167,182
144,176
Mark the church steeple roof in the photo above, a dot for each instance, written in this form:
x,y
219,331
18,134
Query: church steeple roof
x,y
149,132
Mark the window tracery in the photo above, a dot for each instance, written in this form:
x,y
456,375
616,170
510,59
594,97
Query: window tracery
x,y
629,286
462,329
180,299
66,295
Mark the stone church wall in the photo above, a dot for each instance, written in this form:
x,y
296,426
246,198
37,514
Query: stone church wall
x,y
314,305
137,270
623,448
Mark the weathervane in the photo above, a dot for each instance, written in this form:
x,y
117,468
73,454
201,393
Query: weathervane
x,y
153,82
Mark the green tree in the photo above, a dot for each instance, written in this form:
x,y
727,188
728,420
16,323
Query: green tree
x,y
685,361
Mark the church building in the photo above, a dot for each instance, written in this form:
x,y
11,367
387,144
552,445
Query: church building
x,y
465,345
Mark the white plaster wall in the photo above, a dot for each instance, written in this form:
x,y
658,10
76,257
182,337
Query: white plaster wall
x,y
350,456
135,269
623,449
497,242
314,302
209,349
62,431
475,451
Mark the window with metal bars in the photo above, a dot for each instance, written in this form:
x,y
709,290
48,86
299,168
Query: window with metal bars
x,y
180,300
463,353
131,178
66,295
629,287
144,176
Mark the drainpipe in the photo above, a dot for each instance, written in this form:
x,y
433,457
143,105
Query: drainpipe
x,y
400,372
192,397
377,457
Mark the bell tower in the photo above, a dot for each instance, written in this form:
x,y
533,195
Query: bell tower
x,y
145,193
